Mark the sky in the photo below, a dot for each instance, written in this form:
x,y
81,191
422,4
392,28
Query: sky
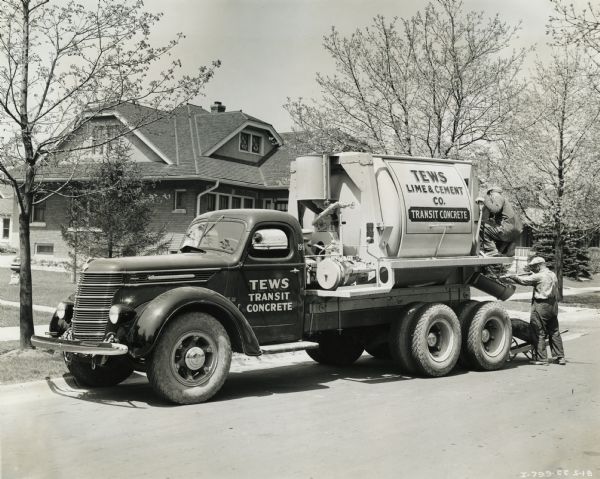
x,y
271,49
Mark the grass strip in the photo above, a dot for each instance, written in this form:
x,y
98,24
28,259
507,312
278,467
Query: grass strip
x,y
18,366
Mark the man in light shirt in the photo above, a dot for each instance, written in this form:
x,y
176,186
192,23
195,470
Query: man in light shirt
x,y
544,310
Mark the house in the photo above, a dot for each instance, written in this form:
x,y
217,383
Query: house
x,y
6,210
200,161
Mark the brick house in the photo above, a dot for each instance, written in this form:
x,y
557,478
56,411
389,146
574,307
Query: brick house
x,y
200,161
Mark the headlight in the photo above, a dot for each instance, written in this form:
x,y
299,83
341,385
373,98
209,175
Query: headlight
x,y
118,312
64,311
113,314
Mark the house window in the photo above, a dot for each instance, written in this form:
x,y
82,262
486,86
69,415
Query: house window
x,y
44,248
224,202
38,215
256,142
276,204
251,143
244,141
102,136
179,201
5,228
281,205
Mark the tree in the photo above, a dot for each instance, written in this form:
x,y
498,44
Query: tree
x,y
434,85
111,212
577,27
549,161
576,258
60,67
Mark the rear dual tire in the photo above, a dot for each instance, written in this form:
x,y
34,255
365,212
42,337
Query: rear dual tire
x,y
488,337
426,339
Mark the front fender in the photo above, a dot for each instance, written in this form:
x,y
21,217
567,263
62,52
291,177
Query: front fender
x,y
145,331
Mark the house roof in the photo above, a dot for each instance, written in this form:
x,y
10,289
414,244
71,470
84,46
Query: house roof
x,y
185,139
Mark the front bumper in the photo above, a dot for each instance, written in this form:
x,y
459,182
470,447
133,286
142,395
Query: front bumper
x,y
80,347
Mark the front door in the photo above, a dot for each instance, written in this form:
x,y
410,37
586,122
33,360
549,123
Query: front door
x,y
270,293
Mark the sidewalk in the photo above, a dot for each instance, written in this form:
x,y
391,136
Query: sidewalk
x,y
6,260
12,333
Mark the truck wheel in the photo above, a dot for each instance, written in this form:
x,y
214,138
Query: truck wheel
x,y
436,340
489,338
191,359
401,334
337,349
116,370
381,351
464,311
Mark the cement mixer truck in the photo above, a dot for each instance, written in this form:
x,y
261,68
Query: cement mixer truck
x,y
377,254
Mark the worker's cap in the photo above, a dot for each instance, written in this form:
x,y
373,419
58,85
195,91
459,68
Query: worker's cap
x,y
495,188
536,260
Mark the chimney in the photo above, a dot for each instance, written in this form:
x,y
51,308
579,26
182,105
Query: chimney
x,y
217,107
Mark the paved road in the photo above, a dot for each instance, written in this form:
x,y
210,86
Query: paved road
x,y
286,417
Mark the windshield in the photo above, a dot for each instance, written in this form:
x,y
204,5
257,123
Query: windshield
x,y
218,235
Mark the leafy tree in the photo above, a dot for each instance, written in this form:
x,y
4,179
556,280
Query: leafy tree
x,y
111,213
577,26
435,85
575,259
61,65
549,160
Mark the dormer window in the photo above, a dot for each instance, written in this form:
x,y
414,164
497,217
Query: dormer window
x,y
251,143
103,137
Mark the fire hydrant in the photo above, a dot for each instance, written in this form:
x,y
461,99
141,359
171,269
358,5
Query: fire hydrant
x,y
15,268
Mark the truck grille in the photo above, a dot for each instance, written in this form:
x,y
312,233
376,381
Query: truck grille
x,y
95,292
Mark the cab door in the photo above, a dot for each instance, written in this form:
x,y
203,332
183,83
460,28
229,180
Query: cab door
x,y
272,280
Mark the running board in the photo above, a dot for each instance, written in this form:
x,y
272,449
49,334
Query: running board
x,y
289,347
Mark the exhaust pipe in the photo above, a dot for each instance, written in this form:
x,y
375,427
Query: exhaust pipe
x,y
491,287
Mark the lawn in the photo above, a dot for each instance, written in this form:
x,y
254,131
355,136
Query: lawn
x,y
9,316
49,287
18,366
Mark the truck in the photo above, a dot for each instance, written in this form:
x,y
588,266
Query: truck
x,y
376,253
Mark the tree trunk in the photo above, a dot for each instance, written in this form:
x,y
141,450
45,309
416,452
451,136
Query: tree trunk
x,y
558,262
26,290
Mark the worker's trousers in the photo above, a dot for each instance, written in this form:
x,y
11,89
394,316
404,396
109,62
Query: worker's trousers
x,y
544,324
498,240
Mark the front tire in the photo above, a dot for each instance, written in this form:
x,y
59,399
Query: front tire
x,y
191,360
489,338
115,370
436,340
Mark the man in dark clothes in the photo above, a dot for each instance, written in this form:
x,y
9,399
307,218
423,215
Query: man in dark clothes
x,y
500,225
544,311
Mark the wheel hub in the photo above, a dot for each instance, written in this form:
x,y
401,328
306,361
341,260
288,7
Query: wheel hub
x,y
195,358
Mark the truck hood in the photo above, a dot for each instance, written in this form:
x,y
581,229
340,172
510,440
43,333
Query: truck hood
x,y
171,262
